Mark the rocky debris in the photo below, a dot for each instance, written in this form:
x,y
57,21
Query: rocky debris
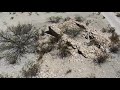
x,y
96,44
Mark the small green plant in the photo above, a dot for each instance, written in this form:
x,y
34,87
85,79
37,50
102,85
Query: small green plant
x,y
54,19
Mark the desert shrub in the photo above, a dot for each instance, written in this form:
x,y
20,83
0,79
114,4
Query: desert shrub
x,y
94,42
79,18
72,32
30,70
118,14
101,59
64,51
18,40
114,38
67,19
54,19
111,30
104,30
114,49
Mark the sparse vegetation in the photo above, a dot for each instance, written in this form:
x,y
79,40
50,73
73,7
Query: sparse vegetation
x,y
110,30
94,42
67,19
114,38
118,14
17,41
114,49
101,59
64,51
30,70
79,18
54,19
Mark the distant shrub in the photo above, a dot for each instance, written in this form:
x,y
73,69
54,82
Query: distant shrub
x,y
118,15
54,19
79,18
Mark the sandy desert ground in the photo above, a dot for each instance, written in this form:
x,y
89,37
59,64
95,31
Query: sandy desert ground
x,y
91,41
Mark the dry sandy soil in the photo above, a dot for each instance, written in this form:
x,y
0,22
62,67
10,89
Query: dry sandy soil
x,y
74,66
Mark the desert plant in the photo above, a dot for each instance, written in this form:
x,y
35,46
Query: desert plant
x,y
79,18
114,38
104,30
30,70
18,40
54,19
101,59
67,19
64,51
114,49
111,30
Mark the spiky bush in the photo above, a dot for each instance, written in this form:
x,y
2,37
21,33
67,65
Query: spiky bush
x,y
17,41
